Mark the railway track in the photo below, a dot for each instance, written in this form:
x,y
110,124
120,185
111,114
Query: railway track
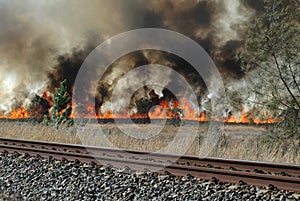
x,y
281,176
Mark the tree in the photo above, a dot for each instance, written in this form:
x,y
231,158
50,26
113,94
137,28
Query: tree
x,y
176,114
143,106
271,53
39,107
61,109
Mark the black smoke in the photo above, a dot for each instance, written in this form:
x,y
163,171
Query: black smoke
x,y
51,46
197,20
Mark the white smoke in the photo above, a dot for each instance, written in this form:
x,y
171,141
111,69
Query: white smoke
x,y
34,33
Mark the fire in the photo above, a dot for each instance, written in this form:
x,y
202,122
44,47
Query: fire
x,y
48,97
249,118
270,120
163,111
243,118
166,109
17,114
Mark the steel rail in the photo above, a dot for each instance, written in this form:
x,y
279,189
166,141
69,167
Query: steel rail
x,y
282,176
221,163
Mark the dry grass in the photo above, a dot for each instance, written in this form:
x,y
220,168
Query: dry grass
x,y
254,149
239,141
40,132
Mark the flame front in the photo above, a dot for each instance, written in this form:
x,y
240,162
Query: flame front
x,y
163,111
249,118
16,114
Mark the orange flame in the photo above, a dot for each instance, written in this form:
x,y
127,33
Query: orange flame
x,y
16,114
48,97
163,111
249,118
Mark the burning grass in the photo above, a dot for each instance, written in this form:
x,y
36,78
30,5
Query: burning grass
x,y
166,109
238,141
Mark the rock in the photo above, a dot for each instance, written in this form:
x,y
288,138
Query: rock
x,y
23,177
296,196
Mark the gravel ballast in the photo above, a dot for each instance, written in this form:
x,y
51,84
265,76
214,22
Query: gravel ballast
x,y
24,177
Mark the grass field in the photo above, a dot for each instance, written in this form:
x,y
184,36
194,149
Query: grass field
x,y
237,141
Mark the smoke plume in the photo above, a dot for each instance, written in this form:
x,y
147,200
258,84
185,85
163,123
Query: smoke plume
x,y
43,43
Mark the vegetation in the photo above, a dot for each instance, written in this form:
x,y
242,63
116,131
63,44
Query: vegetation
x,y
143,107
39,108
61,109
241,145
272,53
177,113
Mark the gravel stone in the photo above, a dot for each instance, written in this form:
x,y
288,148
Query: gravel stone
x,y
24,177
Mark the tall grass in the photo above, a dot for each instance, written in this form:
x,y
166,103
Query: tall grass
x,y
237,141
